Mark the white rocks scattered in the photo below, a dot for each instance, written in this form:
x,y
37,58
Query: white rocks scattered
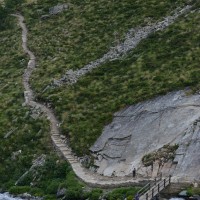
x,y
7,196
55,10
132,39
38,162
15,154
58,9
9,133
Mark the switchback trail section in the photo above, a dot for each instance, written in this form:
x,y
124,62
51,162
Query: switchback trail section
x,y
91,179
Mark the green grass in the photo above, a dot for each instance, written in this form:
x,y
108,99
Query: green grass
x,y
84,32
30,136
164,62
121,193
193,191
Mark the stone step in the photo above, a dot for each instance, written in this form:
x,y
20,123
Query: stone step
x,y
73,162
55,137
56,140
65,148
66,152
68,156
56,134
60,145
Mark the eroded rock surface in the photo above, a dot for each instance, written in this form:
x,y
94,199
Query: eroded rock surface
x,y
58,9
147,127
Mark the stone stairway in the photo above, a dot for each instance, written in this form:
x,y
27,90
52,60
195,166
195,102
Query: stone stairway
x,y
90,178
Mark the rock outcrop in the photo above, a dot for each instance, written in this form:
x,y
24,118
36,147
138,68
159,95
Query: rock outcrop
x,y
145,128
132,39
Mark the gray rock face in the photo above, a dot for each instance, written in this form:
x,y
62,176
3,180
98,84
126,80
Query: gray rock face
x,y
188,155
148,126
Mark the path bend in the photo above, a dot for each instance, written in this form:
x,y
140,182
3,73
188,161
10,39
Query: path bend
x,y
91,179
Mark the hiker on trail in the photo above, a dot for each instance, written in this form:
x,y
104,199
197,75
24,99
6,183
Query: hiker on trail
x,y
134,172
114,173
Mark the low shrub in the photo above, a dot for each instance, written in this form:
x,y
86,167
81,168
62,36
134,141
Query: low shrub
x,y
121,193
19,189
193,191
52,187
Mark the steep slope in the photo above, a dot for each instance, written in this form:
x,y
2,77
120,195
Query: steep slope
x,y
166,60
68,36
83,174
139,130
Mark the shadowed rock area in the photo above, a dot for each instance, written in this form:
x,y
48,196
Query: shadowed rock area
x,y
145,128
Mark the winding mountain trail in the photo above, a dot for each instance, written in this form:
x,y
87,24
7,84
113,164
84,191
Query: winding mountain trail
x,y
92,179
132,40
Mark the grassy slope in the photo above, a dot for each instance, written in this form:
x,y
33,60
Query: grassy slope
x,y
165,61
31,136
85,32
155,67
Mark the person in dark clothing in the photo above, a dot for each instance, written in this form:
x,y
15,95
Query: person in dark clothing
x,y
134,172
157,197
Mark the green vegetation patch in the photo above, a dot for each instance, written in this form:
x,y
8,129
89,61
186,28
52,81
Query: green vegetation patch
x,y
22,137
122,193
163,154
164,62
193,191
84,32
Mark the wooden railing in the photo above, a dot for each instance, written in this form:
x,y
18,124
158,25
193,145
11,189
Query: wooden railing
x,y
150,190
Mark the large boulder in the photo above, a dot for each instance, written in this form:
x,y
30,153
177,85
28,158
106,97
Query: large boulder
x,y
148,126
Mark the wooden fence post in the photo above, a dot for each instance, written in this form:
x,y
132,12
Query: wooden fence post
x,y
146,196
152,192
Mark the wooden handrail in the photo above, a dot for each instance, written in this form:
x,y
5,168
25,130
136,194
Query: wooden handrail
x,y
148,192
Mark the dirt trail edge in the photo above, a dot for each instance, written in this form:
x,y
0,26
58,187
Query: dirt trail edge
x,y
91,179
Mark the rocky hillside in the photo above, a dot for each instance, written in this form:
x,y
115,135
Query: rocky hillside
x,y
85,34
94,58
160,136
